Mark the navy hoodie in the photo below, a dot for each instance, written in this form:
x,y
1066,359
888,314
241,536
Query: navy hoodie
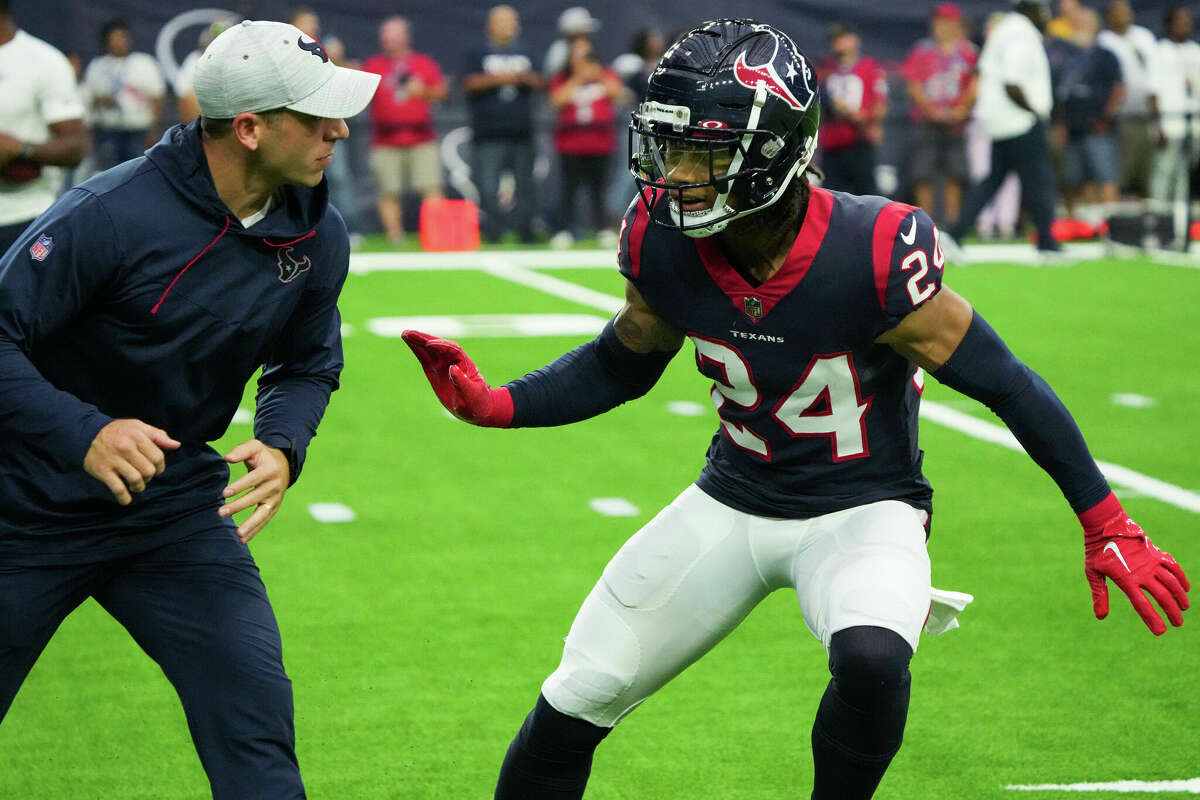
x,y
139,294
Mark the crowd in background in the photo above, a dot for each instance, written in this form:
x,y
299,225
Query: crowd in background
x,y
542,147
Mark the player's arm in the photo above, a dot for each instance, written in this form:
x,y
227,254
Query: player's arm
x,y
957,346
303,370
619,365
299,375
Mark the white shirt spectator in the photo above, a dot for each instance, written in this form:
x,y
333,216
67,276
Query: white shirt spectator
x,y
37,89
1174,80
1134,50
186,76
134,81
1013,54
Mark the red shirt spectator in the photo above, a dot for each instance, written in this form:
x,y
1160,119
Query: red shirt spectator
x,y
587,122
943,74
400,114
857,98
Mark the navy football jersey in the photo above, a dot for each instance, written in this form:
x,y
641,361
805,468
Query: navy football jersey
x,y
815,416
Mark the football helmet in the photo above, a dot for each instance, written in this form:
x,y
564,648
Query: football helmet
x,y
733,107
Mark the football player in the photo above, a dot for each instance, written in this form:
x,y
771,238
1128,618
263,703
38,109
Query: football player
x,y
814,312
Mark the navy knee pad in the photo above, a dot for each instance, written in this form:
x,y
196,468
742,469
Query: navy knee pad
x,y
869,664
860,722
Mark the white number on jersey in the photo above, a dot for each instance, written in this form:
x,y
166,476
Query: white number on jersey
x,y
918,260
737,388
826,401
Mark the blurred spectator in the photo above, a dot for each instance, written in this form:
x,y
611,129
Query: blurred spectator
x,y
124,92
1134,47
854,102
573,23
309,23
1174,86
1065,25
499,81
342,190
941,82
585,95
634,67
999,216
1088,95
41,123
1060,54
185,95
404,154
1014,103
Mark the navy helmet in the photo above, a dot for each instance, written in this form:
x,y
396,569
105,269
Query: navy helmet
x,y
740,92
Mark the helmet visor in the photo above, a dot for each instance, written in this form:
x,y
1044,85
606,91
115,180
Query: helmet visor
x,y
700,165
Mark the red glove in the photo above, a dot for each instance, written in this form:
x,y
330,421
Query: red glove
x,y
457,382
1116,547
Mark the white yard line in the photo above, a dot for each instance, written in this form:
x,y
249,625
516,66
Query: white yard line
x,y
1153,787
500,266
1019,253
997,434
362,263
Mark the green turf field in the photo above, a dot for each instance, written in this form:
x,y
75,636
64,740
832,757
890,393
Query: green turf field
x,y
417,635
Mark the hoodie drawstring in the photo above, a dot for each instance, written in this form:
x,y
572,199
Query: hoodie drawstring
x,y
293,241
189,264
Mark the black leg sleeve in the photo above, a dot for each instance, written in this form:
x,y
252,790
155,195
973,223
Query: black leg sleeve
x,y
860,722
551,757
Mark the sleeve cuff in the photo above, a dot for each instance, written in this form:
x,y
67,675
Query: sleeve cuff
x,y
89,427
1098,516
295,454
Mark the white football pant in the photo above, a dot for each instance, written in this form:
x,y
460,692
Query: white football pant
x,y
694,572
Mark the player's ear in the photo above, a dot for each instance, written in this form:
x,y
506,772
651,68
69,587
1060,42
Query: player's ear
x,y
249,128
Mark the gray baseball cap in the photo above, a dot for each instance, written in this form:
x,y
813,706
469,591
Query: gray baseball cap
x,y
258,66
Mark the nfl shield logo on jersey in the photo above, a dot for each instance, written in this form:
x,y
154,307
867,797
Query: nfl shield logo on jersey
x,y
41,248
753,307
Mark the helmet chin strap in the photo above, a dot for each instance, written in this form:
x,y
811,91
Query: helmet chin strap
x,y
720,208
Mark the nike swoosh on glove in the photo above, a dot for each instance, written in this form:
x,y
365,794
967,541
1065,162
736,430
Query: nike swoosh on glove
x,y
1116,547
457,381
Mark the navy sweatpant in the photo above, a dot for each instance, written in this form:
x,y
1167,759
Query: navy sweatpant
x,y
198,607
1028,155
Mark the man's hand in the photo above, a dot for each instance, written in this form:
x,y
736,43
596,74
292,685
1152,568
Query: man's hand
x,y
264,485
10,148
457,382
1122,551
125,455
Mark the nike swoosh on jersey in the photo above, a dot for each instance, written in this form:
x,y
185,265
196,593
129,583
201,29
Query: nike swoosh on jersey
x,y
911,236
1117,550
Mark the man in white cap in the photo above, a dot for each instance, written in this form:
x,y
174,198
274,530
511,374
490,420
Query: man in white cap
x,y
573,23
132,314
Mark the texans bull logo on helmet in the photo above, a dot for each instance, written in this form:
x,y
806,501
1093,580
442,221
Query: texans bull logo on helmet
x,y
750,76
738,94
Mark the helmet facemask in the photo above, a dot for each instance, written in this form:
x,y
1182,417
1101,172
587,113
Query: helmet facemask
x,y
748,168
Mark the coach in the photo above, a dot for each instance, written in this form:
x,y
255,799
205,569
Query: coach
x,y
132,314
1015,101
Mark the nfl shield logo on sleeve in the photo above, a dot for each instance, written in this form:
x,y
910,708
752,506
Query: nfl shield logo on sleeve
x,y
41,248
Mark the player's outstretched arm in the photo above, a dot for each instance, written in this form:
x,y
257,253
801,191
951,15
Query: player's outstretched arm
x,y
956,346
620,364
